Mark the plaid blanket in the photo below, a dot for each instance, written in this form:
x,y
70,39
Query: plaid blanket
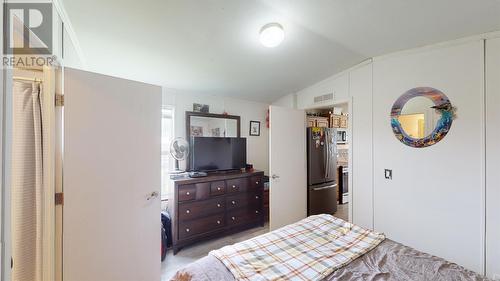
x,y
310,249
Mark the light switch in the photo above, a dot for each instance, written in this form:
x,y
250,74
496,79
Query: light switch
x,y
388,174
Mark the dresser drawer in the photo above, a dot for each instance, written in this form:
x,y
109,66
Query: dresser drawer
x,y
200,226
217,188
244,216
187,192
236,185
243,200
197,209
256,182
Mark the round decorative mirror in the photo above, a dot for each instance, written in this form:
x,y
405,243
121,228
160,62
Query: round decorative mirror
x,y
422,117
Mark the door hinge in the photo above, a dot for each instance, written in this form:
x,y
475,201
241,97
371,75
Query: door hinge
x,y
59,198
59,100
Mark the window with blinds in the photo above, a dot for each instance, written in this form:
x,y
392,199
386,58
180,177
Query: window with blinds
x,y
167,135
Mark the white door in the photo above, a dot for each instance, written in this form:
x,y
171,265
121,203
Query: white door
x,y
288,168
112,133
434,202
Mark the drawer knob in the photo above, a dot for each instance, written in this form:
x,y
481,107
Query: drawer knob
x,y
218,222
257,197
234,186
218,205
187,230
256,182
256,212
233,202
233,218
219,189
188,211
188,193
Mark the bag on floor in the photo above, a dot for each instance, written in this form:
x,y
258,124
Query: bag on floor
x,y
167,225
163,244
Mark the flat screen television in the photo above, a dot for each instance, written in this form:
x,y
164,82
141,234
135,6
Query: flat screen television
x,y
218,154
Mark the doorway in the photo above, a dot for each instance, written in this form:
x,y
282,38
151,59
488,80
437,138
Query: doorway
x,y
322,121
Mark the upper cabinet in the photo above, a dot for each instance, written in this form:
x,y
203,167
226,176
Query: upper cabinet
x,y
327,92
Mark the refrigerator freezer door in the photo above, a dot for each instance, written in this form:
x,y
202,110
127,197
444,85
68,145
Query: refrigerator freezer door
x,y
316,156
322,199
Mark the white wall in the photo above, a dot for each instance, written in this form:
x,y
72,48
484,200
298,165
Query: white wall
x,y
257,146
434,202
337,84
3,91
452,174
289,101
57,33
71,56
493,157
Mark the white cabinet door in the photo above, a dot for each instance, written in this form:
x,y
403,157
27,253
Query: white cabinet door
x,y
361,147
493,157
434,202
112,152
288,193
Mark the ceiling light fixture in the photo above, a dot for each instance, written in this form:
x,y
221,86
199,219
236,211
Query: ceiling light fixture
x,y
272,34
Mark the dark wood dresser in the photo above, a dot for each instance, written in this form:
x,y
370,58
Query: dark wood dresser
x,y
214,206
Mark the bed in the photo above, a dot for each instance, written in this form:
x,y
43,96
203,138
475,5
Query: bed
x,y
384,259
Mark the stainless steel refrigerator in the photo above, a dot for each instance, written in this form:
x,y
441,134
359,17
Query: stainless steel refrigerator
x,y
321,171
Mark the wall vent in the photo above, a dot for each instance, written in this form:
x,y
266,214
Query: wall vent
x,y
328,97
318,99
322,98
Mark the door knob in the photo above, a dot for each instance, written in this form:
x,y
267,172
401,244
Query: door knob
x,y
153,195
274,176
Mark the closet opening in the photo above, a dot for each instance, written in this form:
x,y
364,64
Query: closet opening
x,y
30,179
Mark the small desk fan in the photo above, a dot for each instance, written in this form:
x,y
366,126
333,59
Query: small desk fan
x,y
179,149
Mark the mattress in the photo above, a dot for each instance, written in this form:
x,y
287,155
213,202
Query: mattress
x,y
388,261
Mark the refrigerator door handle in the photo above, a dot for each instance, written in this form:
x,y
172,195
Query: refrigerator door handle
x,y
327,158
324,187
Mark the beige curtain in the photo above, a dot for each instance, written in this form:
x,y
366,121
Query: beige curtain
x,y
27,182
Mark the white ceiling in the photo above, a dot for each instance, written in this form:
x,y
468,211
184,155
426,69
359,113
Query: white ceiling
x,y
211,46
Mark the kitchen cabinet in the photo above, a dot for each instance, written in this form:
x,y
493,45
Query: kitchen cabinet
x,y
318,121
